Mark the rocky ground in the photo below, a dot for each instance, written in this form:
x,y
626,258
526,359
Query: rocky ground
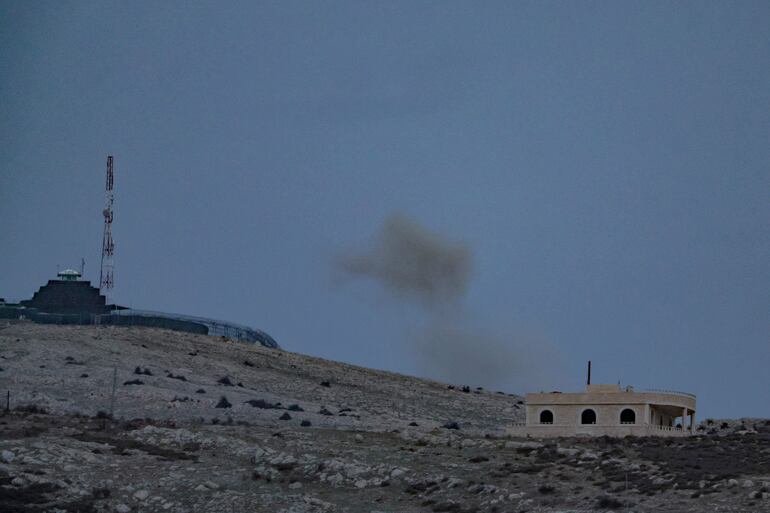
x,y
206,424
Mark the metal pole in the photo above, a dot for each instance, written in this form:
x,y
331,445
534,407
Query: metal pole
x,y
114,384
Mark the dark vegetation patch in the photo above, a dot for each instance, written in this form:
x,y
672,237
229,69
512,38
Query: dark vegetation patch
x,y
326,384
248,363
294,407
546,489
305,423
31,408
120,446
324,411
451,425
32,498
693,459
223,403
607,502
21,429
225,380
262,404
179,377
285,416
200,391
133,382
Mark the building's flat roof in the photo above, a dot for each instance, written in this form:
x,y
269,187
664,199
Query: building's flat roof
x,y
613,394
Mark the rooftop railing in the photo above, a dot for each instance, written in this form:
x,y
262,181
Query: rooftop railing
x,y
673,392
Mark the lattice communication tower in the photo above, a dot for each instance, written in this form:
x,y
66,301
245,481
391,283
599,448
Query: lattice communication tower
x,y
106,280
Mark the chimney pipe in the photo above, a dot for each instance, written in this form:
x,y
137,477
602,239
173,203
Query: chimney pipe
x,y
589,372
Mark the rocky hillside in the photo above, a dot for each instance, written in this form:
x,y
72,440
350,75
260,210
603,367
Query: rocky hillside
x,y
187,378
205,424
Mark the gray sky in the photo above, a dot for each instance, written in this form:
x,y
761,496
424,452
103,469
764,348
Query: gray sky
x,y
606,164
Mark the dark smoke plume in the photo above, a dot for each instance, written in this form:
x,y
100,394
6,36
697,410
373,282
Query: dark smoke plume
x,y
409,260
451,344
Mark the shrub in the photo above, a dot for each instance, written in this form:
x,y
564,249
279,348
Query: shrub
x,y
31,408
546,489
200,391
607,502
225,381
134,382
180,377
259,403
305,423
145,371
223,403
248,363
325,384
285,416
295,407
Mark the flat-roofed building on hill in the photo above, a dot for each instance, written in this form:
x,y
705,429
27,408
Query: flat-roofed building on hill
x,y
608,410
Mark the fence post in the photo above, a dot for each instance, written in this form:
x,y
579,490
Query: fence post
x,y
114,384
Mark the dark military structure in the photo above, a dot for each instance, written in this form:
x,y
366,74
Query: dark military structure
x,y
68,297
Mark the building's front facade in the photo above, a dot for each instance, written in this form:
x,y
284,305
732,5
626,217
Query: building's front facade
x,y
608,410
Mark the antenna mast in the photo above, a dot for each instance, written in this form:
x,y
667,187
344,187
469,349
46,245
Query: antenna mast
x,y
106,281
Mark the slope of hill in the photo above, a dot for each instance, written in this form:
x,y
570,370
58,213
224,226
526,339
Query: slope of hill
x,y
205,424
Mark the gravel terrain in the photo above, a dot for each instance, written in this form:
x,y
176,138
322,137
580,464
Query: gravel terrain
x,y
206,424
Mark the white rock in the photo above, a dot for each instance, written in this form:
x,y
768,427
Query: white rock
x,y
396,472
336,479
122,508
201,488
455,482
732,482
211,485
523,445
7,456
18,481
361,483
141,495
568,452
748,483
359,437
295,485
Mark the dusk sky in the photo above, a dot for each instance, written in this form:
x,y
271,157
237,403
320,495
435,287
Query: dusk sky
x,y
606,165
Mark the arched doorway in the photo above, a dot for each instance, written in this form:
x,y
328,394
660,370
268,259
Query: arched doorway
x,y
546,417
628,416
588,417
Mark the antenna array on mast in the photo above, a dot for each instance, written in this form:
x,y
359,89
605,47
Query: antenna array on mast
x,y
106,282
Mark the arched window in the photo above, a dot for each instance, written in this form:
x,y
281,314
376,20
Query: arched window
x,y
628,416
546,417
588,417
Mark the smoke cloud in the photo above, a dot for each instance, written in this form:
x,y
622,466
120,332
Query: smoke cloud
x,y
409,260
450,343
